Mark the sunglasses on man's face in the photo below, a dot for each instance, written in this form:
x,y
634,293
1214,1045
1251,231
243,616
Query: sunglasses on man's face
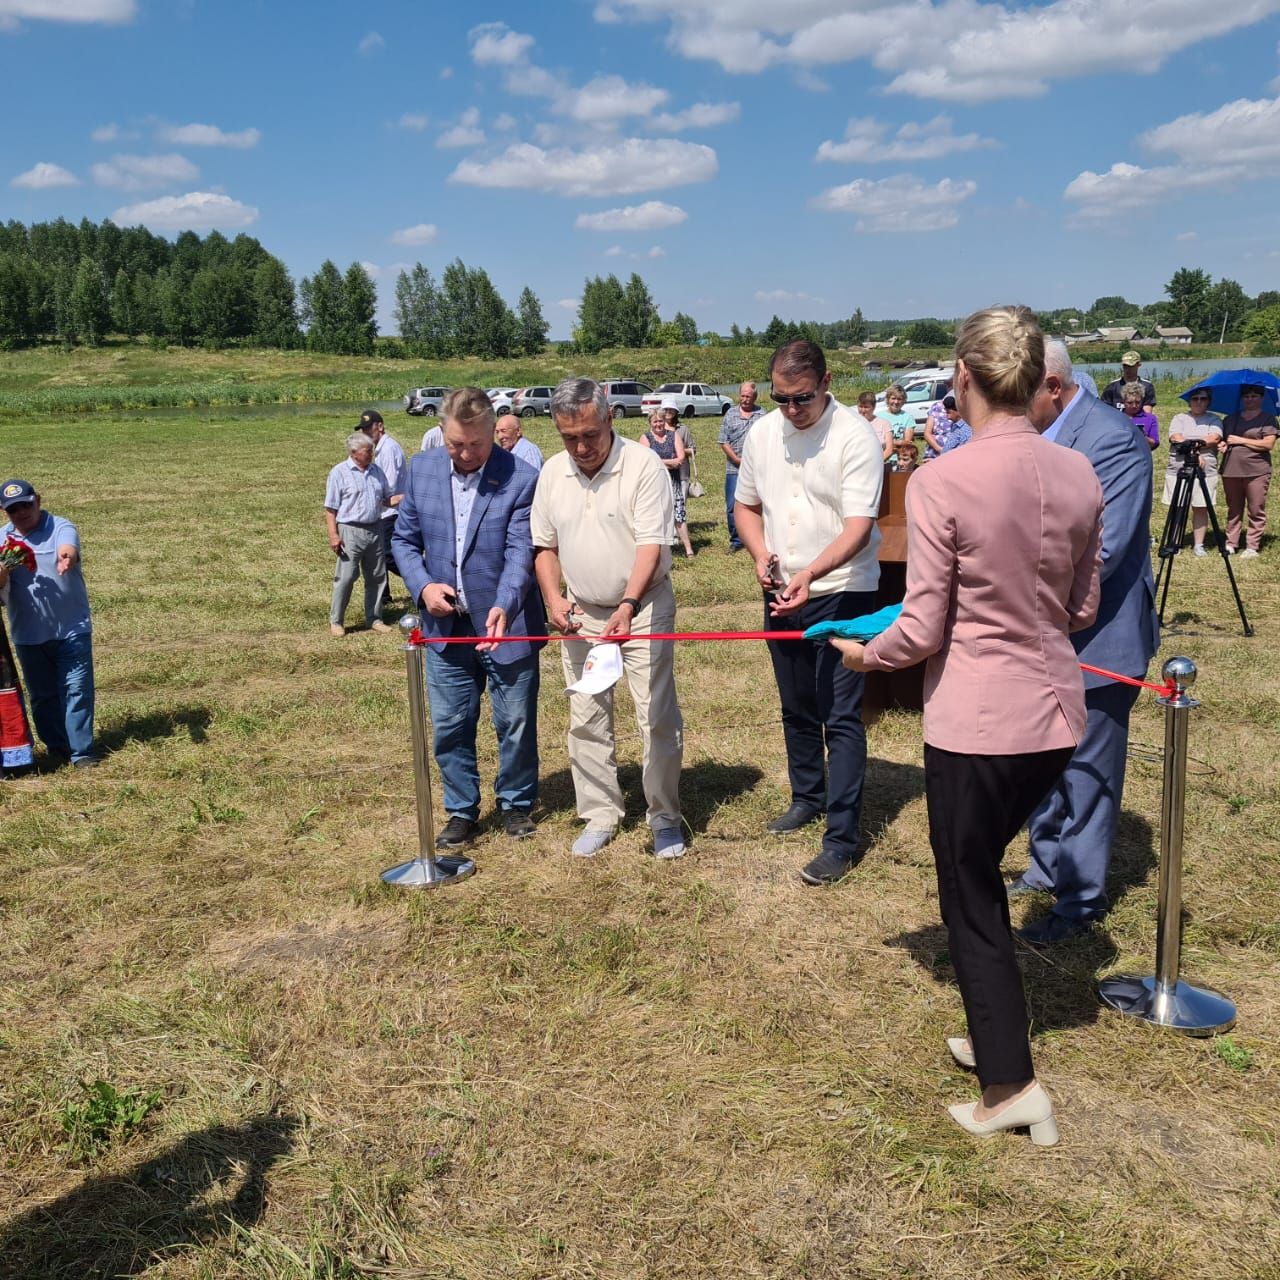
x,y
805,397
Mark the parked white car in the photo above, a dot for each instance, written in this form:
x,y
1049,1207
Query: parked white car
x,y
924,387
690,398
502,398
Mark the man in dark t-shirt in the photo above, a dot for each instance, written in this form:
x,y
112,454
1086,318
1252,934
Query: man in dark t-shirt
x,y
1113,393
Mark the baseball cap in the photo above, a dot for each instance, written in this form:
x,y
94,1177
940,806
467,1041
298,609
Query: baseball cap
x,y
1131,357
369,418
13,492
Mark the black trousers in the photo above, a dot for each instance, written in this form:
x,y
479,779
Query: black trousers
x,y
822,717
977,804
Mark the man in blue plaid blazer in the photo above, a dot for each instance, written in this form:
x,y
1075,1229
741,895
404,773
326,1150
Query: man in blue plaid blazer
x,y
463,546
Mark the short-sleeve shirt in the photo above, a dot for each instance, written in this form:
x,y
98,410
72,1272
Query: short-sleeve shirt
x,y
808,483
1240,461
433,438
390,457
733,431
597,523
355,496
899,423
529,452
47,605
1198,427
1113,392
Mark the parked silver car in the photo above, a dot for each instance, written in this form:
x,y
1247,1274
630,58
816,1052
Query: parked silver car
x,y
532,401
423,401
625,397
690,398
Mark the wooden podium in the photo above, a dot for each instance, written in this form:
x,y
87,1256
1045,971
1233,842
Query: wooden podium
x,y
888,690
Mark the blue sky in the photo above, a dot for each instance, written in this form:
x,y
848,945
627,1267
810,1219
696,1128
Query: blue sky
x,y
804,157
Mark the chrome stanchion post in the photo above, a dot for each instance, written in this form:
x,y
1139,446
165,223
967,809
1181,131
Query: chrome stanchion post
x,y
427,870
1163,999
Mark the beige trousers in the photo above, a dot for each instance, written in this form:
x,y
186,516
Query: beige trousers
x,y
650,672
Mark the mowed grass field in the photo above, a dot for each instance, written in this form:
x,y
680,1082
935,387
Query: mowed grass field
x,y
563,1067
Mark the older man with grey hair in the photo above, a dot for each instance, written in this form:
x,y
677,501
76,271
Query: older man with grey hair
x,y
602,523
1073,829
355,496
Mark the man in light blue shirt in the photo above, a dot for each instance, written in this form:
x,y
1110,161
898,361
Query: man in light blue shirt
x,y
389,457
511,437
354,499
50,625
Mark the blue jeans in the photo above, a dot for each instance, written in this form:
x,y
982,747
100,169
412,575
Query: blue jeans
x,y
456,677
730,492
59,679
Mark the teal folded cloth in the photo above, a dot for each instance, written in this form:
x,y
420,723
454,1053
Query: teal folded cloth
x,y
866,627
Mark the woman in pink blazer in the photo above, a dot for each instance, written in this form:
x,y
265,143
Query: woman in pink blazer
x,y
1004,538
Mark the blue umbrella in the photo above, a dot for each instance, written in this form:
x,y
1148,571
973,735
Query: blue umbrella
x,y
1224,389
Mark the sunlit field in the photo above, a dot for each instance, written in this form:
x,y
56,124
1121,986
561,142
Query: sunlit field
x,y
564,1067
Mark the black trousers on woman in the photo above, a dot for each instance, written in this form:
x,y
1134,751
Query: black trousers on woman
x,y
977,804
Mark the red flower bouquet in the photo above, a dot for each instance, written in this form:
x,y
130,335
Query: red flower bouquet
x,y
15,554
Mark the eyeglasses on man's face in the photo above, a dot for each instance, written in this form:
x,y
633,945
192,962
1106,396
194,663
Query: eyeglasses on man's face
x,y
803,397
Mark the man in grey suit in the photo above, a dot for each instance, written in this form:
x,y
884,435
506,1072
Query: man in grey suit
x,y
1073,829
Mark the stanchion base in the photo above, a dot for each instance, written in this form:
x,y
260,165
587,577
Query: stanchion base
x,y
420,874
1193,1011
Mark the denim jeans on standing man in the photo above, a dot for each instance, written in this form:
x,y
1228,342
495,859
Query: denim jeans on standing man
x,y
730,492
59,679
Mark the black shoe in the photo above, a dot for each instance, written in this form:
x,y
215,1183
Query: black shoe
x,y
85,762
1054,928
517,823
799,815
827,868
457,832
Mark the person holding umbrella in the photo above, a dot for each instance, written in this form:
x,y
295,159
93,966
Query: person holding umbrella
x,y
1249,435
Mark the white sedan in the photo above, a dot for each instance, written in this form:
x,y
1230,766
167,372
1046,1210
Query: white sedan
x,y
689,398
502,398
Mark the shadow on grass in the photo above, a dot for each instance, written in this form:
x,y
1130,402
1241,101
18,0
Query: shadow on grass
x,y
704,788
123,1224
193,720
888,787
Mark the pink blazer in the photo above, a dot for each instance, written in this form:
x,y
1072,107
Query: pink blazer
x,y
1004,538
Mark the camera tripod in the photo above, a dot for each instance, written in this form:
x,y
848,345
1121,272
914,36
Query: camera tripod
x,y
1175,529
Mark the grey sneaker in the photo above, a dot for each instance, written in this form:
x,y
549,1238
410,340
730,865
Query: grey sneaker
x,y
592,840
1248,554
1200,551
668,842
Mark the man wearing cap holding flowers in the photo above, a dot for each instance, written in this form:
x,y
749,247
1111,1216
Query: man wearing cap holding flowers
x,y
49,622
1113,393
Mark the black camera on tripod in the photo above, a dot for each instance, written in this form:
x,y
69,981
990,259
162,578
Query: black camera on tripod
x,y
1188,451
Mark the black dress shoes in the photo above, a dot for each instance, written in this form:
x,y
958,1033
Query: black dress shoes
x,y
827,868
799,815
517,824
457,832
1054,928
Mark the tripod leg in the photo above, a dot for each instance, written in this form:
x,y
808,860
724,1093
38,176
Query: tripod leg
x,y
1175,532
1222,551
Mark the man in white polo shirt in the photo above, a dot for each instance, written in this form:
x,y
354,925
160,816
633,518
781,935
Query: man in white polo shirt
x,y
603,521
806,505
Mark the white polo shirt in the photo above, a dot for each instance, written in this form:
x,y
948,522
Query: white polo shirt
x,y
596,524
808,483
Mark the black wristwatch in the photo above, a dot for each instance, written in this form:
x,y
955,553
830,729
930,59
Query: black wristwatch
x,y
633,602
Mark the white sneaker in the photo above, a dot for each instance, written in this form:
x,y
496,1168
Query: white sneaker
x,y
1249,554
592,840
1200,551
668,842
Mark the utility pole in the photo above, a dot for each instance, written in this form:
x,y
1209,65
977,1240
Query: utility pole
x,y
1222,337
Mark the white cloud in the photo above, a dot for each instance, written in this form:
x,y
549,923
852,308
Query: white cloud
x,y
494,44
108,11
957,50
656,252
422,233
1183,236
43,175
504,122
445,73
614,168
466,133
866,142
414,120
105,133
209,135
569,304
609,99
702,115
784,295
371,43
1126,187
653,215
1240,132
901,203
140,173
614,251
195,211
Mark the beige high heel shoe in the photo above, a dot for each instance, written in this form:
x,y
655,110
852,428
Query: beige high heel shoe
x,y
962,1051
1033,1110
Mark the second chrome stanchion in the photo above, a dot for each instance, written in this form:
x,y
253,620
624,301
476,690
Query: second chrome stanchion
x,y
1163,999
428,870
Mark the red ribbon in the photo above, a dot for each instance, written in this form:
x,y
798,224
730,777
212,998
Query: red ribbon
x,y
416,638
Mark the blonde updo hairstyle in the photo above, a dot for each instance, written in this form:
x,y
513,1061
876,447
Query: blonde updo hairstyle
x,y
1003,350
